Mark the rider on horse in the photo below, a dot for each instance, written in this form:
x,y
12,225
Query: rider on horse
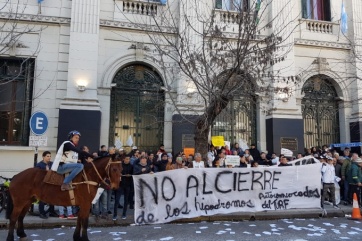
x,y
66,160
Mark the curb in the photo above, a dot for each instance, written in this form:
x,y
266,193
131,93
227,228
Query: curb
x,y
34,222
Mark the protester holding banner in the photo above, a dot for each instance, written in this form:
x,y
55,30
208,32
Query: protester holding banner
x,y
197,163
161,164
243,162
264,160
275,159
284,162
142,167
169,165
179,163
249,158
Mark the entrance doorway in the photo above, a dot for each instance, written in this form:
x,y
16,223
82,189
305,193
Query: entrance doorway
x,y
137,107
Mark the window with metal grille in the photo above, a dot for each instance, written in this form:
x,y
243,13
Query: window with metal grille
x,y
16,88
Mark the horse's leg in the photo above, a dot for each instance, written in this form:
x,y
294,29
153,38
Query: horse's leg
x,y
82,221
76,234
20,230
17,208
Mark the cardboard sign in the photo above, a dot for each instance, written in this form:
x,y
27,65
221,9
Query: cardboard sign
x,y
217,140
232,160
286,152
189,151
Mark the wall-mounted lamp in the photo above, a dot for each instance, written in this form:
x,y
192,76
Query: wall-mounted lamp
x,y
283,94
191,91
190,94
284,97
81,88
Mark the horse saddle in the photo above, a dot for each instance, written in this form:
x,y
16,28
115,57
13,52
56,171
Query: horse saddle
x,y
53,178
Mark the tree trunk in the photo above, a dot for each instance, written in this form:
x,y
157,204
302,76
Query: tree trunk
x,y
204,122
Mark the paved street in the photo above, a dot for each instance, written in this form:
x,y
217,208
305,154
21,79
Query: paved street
x,y
285,229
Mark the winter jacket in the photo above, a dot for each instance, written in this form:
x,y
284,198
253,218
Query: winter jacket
x,y
355,174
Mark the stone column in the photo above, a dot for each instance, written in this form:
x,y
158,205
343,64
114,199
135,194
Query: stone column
x,y
284,118
80,108
355,29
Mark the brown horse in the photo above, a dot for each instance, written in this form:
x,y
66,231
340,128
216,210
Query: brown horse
x,y
28,185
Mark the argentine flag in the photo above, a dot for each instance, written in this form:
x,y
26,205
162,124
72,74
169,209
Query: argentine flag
x,y
344,19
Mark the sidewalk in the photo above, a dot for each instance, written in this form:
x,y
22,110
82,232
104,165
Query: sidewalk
x,y
32,221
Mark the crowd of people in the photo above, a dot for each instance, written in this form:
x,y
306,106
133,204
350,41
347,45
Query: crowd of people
x,y
344,170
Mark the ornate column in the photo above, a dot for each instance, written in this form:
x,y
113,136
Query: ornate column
x,y
80,108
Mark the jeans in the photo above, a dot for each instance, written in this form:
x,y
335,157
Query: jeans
x,y
101,205
109,196
41,208
69,210
72,168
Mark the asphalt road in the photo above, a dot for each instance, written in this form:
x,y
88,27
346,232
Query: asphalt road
x,y
274,230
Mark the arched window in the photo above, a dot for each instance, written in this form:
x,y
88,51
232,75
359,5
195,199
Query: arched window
x,y
137,107
320,112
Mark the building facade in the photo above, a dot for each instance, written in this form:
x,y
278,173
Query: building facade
x,y
90,66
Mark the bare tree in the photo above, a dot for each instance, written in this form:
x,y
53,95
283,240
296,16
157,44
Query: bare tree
x,y
19,45
218,54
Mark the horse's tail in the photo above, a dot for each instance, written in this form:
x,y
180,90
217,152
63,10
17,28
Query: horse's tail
x,y
9,204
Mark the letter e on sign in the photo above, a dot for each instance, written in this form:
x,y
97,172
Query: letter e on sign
x,y
38,123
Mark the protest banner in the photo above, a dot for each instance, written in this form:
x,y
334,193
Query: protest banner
x,y
186,193
232,160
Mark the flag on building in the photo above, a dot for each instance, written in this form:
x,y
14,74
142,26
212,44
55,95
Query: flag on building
x,y
344,19
257,8
39,1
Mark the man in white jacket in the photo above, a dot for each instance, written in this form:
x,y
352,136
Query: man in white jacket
x,y
328,176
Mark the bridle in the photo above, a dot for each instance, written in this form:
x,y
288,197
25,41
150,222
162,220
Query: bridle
x,y
107,168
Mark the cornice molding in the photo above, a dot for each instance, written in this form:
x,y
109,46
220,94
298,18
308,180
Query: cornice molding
x,y
136,26
144,27
34,18
322,44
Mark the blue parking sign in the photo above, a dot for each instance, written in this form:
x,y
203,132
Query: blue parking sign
x,y
38,123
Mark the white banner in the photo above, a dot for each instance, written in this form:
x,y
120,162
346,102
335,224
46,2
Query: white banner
x,y
186,193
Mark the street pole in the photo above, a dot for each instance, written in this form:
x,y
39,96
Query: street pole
x,y
31,211
36,156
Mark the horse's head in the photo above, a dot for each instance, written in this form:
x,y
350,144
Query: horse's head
x,y
114,172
